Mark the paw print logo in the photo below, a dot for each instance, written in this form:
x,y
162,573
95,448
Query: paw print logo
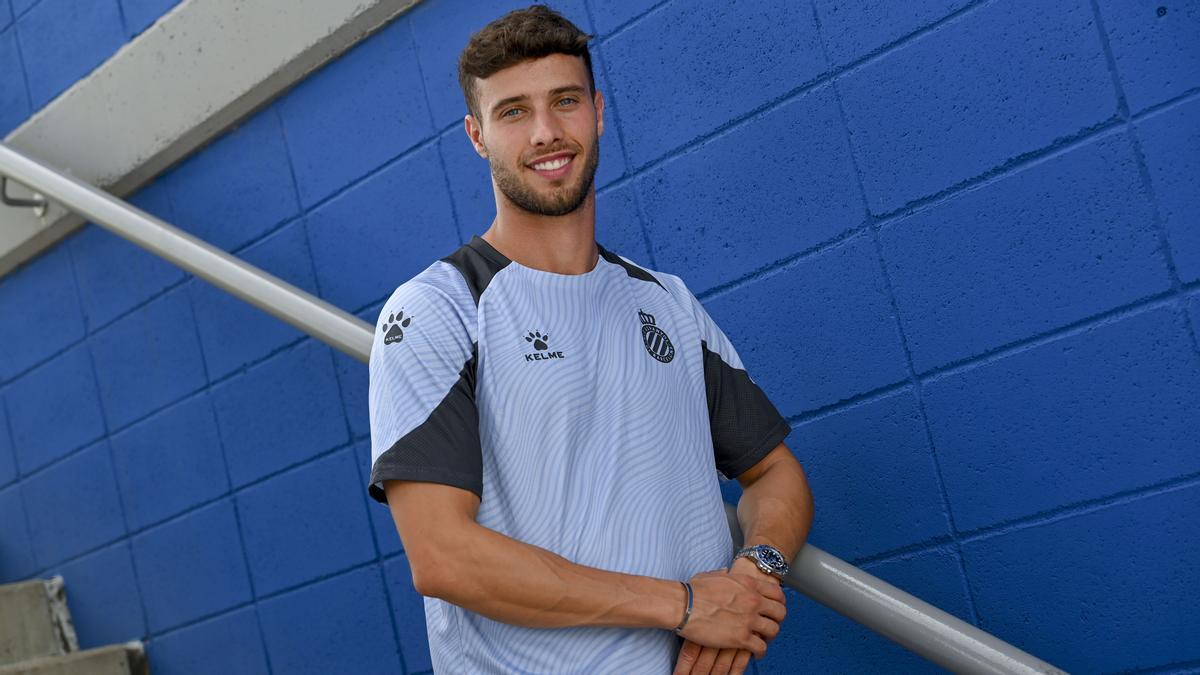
x,y
539,341
393,328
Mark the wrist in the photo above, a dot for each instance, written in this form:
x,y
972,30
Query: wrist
x,y
748,567
673,603
768,563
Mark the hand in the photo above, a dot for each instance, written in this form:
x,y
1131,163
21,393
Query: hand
x,y
697,660
733,610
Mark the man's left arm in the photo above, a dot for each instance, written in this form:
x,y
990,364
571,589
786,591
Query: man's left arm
x,y
776,508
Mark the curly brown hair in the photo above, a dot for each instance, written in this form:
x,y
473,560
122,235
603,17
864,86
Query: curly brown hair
x,y
518,36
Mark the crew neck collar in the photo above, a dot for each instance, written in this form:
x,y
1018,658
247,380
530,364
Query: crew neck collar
x,y
487,250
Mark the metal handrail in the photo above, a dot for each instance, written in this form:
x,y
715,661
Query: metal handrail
x,y
913,623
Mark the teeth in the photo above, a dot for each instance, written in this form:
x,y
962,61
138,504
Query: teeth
x,y
552,165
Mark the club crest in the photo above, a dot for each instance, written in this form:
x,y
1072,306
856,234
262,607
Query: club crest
x,y
657,343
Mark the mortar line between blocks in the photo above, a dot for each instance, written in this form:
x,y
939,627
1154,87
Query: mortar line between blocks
x,y
628,23
228,494
1145,178
20,493
231,494
112,458
1064,512
780,265
237,517
291,162
1172,668
913,381
203,389
611,104
1148,303
829,74
437,139
1152,110
366,501
998,172
21,59
124,22
350,185
1082,507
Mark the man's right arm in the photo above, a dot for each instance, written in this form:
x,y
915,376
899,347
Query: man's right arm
x,y
456,559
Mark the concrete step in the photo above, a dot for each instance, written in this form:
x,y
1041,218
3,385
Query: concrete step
x,y
125,659
34,621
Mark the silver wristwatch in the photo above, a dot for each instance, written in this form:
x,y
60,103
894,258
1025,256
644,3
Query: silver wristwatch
x,y
768,558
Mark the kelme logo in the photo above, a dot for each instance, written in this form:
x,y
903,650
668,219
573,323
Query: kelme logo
x,y
541,343
393,328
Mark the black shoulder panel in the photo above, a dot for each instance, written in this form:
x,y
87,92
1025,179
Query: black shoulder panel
x,y
478,262
445,448
745,425
632,270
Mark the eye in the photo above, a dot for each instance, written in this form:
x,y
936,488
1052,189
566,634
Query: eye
x,y
568,100
510,110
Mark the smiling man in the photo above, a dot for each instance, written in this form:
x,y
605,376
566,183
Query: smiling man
x,y
548,418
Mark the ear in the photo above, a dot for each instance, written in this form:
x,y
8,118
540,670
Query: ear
x,y
598,102
475,134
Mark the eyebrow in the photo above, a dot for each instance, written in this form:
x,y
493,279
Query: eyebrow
x,y
570,88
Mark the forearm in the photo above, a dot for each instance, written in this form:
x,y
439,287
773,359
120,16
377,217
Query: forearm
x,y
513,582
777,508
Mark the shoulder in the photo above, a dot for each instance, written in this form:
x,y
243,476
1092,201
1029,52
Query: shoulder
x,y
668,282
438,295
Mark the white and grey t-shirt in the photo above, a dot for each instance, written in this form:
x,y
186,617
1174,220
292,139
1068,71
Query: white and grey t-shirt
x,y
590,413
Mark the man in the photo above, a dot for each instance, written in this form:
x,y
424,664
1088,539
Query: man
x,y
548,418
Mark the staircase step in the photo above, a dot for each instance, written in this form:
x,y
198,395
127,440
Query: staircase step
x,y
124,659
35,621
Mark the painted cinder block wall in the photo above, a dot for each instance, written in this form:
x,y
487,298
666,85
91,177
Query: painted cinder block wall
x,y
957,243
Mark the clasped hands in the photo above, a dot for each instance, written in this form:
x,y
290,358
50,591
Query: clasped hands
x,y
735,613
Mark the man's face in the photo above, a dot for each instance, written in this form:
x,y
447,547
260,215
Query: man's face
x,y
540,130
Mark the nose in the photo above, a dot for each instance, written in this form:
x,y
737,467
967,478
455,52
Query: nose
x,y
546,129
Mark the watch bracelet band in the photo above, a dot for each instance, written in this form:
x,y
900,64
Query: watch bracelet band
x,y
752,553
687,613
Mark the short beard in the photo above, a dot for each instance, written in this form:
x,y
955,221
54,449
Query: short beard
x,y
560,202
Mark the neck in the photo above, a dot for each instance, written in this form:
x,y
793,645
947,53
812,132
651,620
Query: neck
x,y
559,244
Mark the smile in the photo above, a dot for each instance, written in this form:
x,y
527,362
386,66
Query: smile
x,y
554,167
552,164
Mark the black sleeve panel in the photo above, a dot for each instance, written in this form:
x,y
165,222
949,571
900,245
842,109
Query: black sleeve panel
x,y
745,424
445,448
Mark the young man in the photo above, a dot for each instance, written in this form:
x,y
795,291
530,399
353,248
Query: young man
x,y
548,418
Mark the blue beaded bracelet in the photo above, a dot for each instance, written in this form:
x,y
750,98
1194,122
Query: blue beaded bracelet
x,y
687,614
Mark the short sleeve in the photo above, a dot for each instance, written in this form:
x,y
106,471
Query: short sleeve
x,y
745,424
424,421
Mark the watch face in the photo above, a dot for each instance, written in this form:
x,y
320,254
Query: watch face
x,y
771,557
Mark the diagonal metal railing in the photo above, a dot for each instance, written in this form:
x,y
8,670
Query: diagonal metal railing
x,y
909,621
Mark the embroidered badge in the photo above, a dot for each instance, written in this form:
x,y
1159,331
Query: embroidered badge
x,y
656,341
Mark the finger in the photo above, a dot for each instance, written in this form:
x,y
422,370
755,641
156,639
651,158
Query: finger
x,y
772,608
776,611
740,662
724,661
757,647
704,662
765,627
687,657
770,589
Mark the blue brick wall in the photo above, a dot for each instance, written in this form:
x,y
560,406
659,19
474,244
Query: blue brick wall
x,y
957,243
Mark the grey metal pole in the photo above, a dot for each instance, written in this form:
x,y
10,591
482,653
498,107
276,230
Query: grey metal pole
x,y
910,621
901,617
274,296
